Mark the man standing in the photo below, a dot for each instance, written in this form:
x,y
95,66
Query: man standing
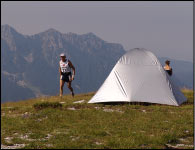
x,y
65,73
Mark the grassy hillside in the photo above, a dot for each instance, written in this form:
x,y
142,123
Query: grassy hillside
x,y
37,124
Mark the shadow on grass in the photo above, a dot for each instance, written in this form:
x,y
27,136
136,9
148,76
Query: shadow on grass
x,y
39,106
130,103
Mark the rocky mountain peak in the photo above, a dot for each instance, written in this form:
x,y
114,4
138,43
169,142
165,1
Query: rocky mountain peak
x,y
90,34
7,31
7,35
6,27
52,30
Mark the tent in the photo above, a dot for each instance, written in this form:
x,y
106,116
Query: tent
x,y
138,76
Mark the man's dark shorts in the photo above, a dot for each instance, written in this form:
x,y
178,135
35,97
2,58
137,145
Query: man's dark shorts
x,y
66,76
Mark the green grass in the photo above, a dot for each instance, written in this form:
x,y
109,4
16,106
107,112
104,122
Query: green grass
x,y
128,126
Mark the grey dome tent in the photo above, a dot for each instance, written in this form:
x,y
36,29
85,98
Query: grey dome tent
x,y
138,76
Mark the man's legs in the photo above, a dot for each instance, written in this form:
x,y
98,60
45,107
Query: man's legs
x,y
61,87
71,89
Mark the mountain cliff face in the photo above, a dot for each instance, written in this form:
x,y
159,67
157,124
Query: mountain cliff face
x,y
30,63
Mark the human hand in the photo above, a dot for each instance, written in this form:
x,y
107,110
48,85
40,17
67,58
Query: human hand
x,y
72,78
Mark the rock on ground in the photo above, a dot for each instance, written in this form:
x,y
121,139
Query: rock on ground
x,y
15,146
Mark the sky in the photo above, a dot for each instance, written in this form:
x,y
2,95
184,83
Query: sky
x,y
165,28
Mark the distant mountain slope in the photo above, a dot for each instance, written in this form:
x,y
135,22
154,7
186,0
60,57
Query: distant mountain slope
x,y
33,61
10,87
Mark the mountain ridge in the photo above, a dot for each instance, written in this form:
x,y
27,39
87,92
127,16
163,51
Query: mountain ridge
x,y
72,33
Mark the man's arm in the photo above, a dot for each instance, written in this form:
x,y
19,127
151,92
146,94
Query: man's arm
x,y
73,69
60,71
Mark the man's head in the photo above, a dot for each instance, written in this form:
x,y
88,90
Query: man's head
x,y
63,56
167,62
